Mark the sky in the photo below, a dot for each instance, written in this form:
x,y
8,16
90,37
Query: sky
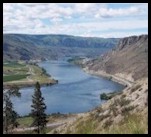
x,y
78,19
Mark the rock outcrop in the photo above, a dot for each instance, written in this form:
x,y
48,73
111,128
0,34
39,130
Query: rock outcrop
x,y
129,58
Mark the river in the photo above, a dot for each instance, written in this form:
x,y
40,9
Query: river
x,y
76,91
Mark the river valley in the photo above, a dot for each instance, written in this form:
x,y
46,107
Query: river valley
x,y
76,91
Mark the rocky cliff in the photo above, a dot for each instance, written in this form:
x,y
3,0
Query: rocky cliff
x,y
129,58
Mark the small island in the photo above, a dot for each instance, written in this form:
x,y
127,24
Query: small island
x,y
25,74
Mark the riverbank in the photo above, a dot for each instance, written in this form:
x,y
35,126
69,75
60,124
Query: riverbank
x,y
123,79
120,114
24,74
115,78
25,84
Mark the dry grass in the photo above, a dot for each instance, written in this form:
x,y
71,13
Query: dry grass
x,y
133,124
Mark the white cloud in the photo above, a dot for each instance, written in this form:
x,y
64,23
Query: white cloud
x,y
72,18
131,11
56,20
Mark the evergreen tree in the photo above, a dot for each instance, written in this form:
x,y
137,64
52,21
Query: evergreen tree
x,y
9,114
38,111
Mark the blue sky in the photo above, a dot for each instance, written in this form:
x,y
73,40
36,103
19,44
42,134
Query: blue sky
x,y
79,19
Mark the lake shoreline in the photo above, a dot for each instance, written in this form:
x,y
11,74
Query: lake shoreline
x,y
79,77
41,76
123,80
30,84
119,80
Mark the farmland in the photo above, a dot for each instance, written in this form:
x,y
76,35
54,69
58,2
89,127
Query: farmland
x,y
24,74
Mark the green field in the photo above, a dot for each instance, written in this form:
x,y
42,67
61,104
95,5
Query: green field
x,y
17,73
14,77
14,71
25,121
13,64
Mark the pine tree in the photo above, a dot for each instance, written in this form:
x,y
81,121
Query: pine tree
x,y
9,114
38,111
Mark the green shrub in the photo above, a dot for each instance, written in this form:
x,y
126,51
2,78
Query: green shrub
x,y
104,96
110,95
123,96
114,110
135,88
122,102
126,110
102,117
99,109
107,123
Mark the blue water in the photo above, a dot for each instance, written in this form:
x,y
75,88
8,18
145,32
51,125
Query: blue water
x,y
76,91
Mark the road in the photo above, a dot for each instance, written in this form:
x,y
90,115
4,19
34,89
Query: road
x,y
32,128
31,72
55,124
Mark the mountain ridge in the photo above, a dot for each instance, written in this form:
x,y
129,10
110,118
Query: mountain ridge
x,y
26,47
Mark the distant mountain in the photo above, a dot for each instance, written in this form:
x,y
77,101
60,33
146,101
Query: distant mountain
x,y
26,47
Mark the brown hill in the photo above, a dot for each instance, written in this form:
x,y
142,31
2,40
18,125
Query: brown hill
x,y
130,57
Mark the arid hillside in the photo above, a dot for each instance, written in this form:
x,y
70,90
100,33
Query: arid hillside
x,y
129,58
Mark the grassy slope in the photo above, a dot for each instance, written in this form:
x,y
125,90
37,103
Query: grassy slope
x,y
130,125
27,121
